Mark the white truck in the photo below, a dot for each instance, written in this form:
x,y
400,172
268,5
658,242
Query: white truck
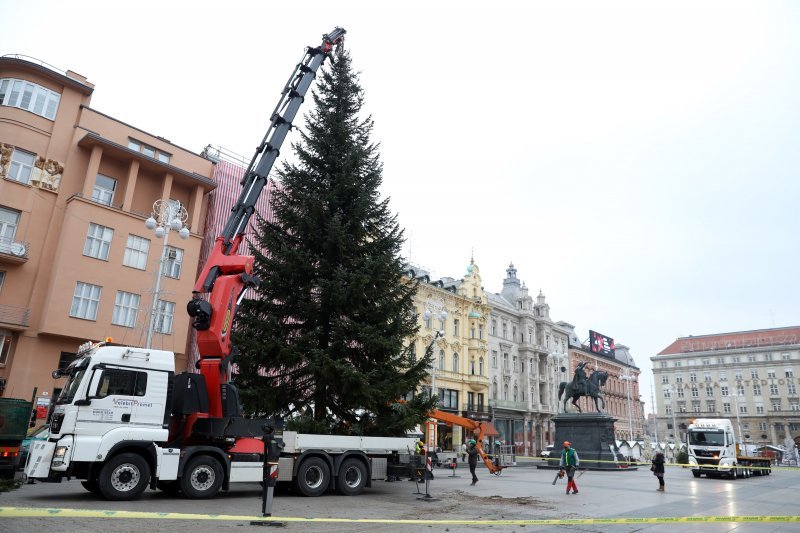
x,y
713,451
111,428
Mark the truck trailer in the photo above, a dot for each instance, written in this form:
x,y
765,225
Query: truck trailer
x,y
713,451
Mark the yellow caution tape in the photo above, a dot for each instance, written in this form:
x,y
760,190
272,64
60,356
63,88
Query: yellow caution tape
x,y
31,512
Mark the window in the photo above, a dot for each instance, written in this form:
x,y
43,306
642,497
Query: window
x,y
693,377
737,375
455,362
706,362
427,319
754,373
726,408
759,408
173,259
505,330
791,389
2,279
742,409
9,220
441,359
98,241
165,312
762,426
695,392
29,96
724,390
773,390
494,359
723,375
794,405
5,345
663,364
756,389
480,366
514,333
125,308
721,360
680,393
785,356
668,410
707,376
711,406
665,380
667,394
696,407
104,187
505,360
148,150
494,328
740,390
767,357
455,327
776,404
788,372
709,392
480,331
21,166
678,378
448,398
85,301
736,359
119,382
136,252
770,372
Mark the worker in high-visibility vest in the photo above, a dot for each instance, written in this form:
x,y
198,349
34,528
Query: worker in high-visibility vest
x,y
568,462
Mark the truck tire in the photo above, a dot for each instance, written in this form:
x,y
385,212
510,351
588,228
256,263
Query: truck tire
x,y
352,477
734,474
202,478
124,477
313,477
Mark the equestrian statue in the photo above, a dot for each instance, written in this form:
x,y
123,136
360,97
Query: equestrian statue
x,y
581,385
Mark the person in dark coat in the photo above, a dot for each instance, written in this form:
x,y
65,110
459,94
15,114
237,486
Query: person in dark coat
x,y
658,469
472,452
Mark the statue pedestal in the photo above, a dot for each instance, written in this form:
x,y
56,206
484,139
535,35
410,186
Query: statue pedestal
x,y
592,436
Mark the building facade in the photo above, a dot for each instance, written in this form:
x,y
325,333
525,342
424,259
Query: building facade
x,y
76,260
750,377
459,308
526,351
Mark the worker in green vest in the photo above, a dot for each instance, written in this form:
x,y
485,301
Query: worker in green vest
x,y
568,462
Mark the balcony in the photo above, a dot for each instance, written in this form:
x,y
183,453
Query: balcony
x,y
14,317
475,411
509,404
477,382
13,252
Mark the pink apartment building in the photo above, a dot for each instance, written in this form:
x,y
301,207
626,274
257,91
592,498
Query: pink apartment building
x,y
76,260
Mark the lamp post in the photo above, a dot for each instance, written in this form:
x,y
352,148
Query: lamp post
x,y
627,378
439,334
738,421
166,216
559,358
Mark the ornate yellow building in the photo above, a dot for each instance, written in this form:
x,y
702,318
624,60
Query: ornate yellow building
x,y
453,315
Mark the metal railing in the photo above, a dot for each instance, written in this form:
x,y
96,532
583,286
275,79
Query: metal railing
x,y
14,248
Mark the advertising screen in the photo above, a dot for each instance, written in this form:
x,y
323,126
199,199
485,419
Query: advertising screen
x,y
601,344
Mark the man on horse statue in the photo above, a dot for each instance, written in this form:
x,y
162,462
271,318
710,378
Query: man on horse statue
x,y
581,382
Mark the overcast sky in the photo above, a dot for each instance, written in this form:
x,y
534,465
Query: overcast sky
x,y
637,161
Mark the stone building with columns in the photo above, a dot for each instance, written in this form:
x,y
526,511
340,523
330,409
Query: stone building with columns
x,y
76,260
750,377
526,351
458,307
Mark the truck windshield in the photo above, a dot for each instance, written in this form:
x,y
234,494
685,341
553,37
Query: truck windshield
x,y
75,371
708,437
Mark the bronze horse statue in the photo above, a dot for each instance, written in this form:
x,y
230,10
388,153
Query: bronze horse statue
x,y
569,390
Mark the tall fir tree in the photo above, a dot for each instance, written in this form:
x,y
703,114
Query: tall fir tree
x,y
325,341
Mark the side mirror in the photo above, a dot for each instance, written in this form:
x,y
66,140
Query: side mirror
x,y
57,373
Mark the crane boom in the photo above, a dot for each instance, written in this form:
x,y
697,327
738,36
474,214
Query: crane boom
x,y
226,275
473,425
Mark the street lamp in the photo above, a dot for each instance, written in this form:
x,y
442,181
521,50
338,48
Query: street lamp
x,y
559,358
627,378
439,334
738,421
166,216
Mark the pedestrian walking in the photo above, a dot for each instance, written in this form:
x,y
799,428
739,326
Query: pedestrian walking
x,y
472,452
568,462
463,451
658,469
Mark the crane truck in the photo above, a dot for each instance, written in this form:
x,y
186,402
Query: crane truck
x,y
126,421
713,451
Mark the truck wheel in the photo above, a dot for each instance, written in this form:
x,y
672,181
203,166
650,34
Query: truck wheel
x,y
202,478
695,473
313,477
124,477
352,477
734,474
